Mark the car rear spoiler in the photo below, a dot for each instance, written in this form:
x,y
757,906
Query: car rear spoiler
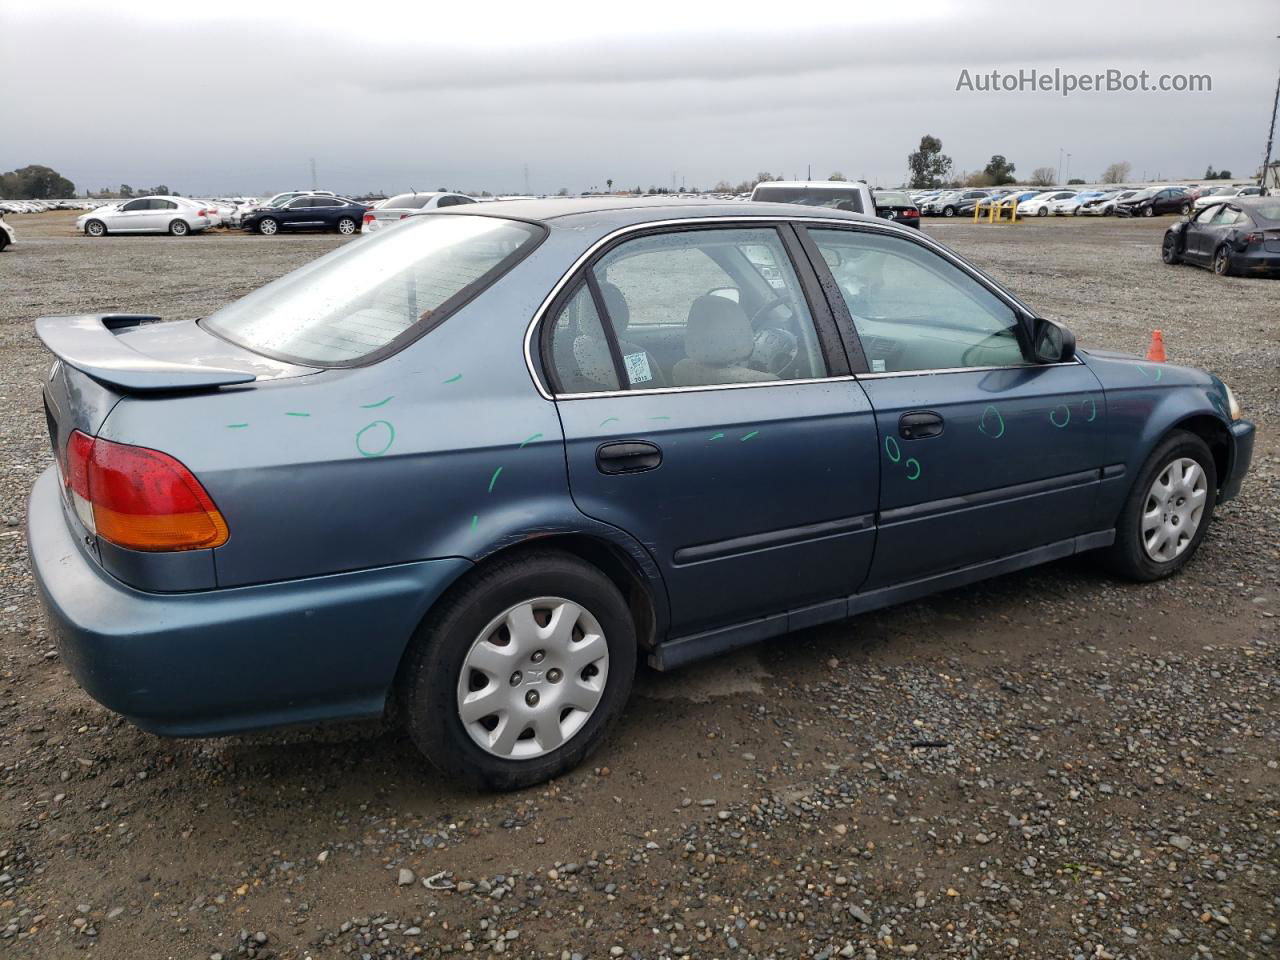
x,y
88,343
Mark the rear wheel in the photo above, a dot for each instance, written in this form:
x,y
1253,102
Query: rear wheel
x,y
1168,510
4,240
346,226
95,228
1222,261
1186,209
179,228
519,674
268,227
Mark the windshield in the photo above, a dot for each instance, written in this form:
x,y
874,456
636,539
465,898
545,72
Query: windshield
x,y
363,297
1142,195
1267,211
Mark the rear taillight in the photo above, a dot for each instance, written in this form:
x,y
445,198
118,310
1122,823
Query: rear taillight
x,y
1255,238
203,213
911,213
403,216
139,498
369,218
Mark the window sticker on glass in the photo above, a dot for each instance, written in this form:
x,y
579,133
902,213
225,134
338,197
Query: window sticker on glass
x,y
638,367
877,366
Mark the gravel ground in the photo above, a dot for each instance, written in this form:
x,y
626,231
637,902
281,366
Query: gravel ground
x,y
1047,765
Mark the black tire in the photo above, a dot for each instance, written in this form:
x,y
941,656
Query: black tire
x,y
1186,209
347,226
4,240
1222,261
1127,557
1148,211
948,211
1168,251
428,682
179,228
95,228
268,226
1042,212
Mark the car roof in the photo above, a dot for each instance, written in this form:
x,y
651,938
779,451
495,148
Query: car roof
x,y
812,184
626,211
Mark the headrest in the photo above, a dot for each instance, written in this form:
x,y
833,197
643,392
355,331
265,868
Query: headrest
x,y
594,361
718,332
616,304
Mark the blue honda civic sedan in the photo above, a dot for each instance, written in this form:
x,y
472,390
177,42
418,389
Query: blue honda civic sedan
x,y
472,468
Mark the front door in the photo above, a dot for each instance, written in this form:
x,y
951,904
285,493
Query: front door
x,y
1196,246
708,412
982,453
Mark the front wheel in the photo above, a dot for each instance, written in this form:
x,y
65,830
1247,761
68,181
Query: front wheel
x,y
519,674
1149,211
1168,510
95,228
1169,252
346,226
948,211
179,228
268,227
1042,212
1186,209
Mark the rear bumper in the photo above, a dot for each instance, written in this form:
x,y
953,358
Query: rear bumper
x,y
1255,261
1242,434
224,661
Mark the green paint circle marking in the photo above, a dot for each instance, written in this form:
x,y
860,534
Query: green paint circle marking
x,y
367,448
494,479
916,475
716,436
454,379
527,440
753,433
381,403
1053,418
982,424
1093,410
892,450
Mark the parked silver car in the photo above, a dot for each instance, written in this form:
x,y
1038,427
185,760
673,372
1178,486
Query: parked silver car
x,y
396,208
173,215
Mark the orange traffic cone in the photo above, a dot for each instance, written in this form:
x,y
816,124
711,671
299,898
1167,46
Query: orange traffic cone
x,y
1155,353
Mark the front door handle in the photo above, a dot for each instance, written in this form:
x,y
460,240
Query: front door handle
x,y
628,456
920,424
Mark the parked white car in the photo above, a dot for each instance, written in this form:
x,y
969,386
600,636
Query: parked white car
x,y
178,216
1218,194
1041,205
394,209
854,196
1071,206
7,236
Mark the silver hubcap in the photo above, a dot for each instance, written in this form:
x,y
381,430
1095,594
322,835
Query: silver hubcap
x,y
533,678
95,229
346,226
268,226
179,228
1175,505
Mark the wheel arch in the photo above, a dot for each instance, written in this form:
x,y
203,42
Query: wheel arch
x,y
1215,434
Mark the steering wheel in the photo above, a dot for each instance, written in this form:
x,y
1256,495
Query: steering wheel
x,y
774,301
992,342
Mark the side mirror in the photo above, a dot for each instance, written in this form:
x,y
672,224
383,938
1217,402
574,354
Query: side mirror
x,y
1052,342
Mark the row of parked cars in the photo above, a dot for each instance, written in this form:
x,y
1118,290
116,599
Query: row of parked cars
x,y
1118,201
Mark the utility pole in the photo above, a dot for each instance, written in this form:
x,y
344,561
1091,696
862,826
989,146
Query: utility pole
x,y
1271,134
313,173
1058,175
526,179
1068,170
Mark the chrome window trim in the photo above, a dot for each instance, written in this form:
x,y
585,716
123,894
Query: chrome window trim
x,y
652,391
1012,366
865,223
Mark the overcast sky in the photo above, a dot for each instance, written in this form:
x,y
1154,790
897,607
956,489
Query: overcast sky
x,y
238,96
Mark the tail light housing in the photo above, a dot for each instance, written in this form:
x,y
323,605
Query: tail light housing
x,y
1253,238
911,212
139,498
369,218
203,213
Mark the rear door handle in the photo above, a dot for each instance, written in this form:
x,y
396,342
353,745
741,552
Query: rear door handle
x,y
628,456
920,424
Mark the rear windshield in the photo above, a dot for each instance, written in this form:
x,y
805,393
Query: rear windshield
x,y
1267,211
368,294
811,197
892,200
407,201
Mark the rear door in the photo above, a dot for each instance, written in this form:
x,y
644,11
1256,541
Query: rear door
x,y
982,453
750,475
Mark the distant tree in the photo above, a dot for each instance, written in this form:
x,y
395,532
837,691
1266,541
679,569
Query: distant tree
x,y
999,170
1074,181
929,165
442,189
35,182
1210,173
562,192
1042,177
609,185
722,186
837,176
1116,172
1224,174
126,190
